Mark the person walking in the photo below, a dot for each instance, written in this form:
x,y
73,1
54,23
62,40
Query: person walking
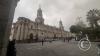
x,y
42,42
64,39
68,40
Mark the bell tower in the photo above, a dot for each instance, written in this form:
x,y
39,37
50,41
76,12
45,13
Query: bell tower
x,y
61,25
39,19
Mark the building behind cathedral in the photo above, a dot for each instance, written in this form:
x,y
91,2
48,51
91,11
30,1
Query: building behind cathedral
x,y
27,30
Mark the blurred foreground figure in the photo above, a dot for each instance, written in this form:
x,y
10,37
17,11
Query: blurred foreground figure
x,y
98,49
11,50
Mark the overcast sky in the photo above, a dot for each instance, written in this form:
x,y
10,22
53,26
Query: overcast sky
x,y
54,10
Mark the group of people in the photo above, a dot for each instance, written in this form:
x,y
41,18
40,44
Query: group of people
x,y
68,39
43,40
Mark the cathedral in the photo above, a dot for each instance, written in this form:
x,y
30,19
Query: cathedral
x,y
25,30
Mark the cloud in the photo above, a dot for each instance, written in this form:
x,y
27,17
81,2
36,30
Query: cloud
x,y
54,10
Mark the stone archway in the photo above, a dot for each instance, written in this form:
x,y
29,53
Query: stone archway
x,y
31,37
54,36
36,38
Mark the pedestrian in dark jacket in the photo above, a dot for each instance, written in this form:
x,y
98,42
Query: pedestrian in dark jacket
x,y
42,41
11,50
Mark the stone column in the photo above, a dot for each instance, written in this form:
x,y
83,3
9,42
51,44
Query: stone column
x,y
17,34
7,8
26,31
28,27
22,32
15,28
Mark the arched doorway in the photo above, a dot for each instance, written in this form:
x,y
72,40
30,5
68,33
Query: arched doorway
x,y
54,36
31,37
36,38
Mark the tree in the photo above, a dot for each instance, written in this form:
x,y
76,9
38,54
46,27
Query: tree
x,y
80,26
93,16
76,29
73,29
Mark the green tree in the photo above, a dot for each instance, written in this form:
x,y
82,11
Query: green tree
x,y
76,29
73,29
80,26
92,17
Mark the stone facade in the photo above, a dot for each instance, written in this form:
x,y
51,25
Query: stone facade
x,y
25,29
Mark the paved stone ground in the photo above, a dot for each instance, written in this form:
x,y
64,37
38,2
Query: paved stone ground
x,y
56,48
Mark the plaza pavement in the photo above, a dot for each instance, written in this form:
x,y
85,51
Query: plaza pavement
x,y
56,48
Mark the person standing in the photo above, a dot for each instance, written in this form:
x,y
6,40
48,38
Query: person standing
x,y
68,40
42,42
64,39
11,50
